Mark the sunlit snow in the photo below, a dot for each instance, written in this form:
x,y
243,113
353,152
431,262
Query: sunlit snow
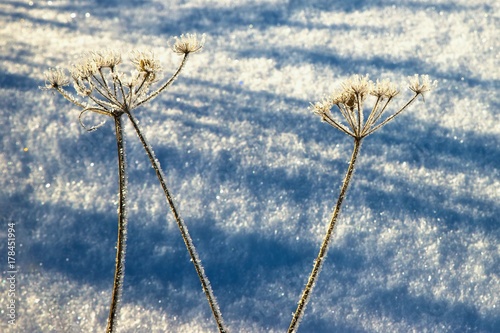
x,y
254,172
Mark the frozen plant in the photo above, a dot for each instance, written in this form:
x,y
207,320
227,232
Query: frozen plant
x,y
110,92
349,103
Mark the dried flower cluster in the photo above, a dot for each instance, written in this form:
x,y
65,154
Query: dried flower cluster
x,y
188,43
351,98
110,92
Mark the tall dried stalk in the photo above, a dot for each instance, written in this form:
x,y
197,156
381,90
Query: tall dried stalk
x,y
349,102
122,229
205,283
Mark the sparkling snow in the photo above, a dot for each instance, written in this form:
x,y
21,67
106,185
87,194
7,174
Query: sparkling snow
x,y
254,172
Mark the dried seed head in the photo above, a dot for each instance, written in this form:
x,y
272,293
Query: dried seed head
x,y
350,99
358,85
188,43
340,97
55,78
106,58
420,84
145,62
84,69
321,108
384,88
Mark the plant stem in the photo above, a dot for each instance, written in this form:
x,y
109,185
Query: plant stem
x,y
318,263
167,84
122,230
205,283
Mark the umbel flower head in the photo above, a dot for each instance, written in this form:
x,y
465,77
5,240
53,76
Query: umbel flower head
x,y
145,62
108,91
350,100
55,79
188,43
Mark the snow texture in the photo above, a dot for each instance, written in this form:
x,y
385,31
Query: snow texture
x,y
254,172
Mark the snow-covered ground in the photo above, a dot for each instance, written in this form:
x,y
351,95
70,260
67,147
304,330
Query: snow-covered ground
x,y
254,172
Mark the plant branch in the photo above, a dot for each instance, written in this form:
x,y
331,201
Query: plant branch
x,y
70,97
391,117
167,84
318,263
205,283
122,230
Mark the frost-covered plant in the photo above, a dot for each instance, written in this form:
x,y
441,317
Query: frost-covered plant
x,y
110,92
349,102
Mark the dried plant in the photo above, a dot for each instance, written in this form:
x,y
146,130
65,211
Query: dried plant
x,y
112,93
349,102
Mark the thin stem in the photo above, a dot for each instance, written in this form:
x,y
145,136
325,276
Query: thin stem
x,y
205,283
168,83
370,120
318,263
391,117
142,83
348,117
360,114
70,97
134,94
124,96
332,122
380,111
106,86
103,104
112,69
122,231
112,100
97,110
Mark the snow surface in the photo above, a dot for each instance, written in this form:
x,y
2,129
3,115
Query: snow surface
x,y
254,172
